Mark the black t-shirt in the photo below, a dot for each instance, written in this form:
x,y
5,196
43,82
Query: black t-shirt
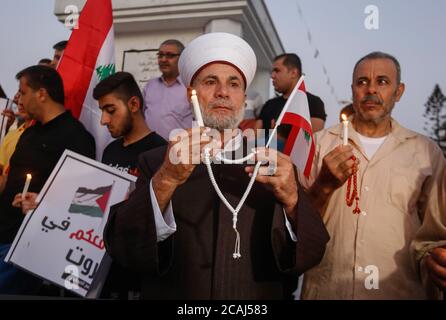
x,y
125,158
272,108
121,283
37,152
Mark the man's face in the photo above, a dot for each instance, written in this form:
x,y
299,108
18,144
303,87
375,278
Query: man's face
x,y
375,90
282,76
16,97
221,93
168,56
115,115
56,58
28,99
21,110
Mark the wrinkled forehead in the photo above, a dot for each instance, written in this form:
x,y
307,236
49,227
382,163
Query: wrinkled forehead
x,y
375,67
221,69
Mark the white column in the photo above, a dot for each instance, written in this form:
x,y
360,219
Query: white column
x,y
224,25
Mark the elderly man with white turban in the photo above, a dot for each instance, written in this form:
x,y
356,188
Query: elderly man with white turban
x,y
177,232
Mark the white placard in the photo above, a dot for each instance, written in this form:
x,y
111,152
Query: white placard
x,y
61,240
142,64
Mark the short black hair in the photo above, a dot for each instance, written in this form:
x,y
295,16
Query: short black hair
x,y
122,84
44,61
44,77
291,60
174,42
382,55
61,45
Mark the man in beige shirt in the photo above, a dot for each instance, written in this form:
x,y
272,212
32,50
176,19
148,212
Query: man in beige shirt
x,y
368,254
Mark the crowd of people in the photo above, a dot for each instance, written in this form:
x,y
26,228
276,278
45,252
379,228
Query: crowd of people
x,y
173,237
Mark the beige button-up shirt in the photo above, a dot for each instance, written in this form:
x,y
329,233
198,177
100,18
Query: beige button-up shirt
x,y
368,254
432,234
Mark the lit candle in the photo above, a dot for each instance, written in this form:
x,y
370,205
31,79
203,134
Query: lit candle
x,y
25,188
197,110
345,126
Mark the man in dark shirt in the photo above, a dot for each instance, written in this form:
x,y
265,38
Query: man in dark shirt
x,y
121,102
37,152
287,69
176,230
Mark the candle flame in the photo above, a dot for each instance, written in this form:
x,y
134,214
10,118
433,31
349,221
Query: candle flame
x,y
28,176
344,117
194,93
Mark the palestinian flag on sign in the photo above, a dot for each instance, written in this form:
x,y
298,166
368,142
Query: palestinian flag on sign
x,y
91,202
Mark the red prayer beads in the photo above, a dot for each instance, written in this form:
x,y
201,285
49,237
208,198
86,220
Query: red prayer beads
x,y
354,195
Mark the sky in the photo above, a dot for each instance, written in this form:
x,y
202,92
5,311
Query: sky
x,y
413,31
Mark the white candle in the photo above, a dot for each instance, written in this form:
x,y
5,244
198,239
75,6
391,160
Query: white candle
x,y
345,126
25,188
197,110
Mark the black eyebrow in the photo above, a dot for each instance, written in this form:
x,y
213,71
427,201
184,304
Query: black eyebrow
x,y
211,76
234,78
107,106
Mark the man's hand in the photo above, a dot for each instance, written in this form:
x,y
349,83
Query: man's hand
x,y
8,113
436,267
26,204
337,166
182,156
283,183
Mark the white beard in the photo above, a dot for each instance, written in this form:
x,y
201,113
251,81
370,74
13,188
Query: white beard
x,y
220,123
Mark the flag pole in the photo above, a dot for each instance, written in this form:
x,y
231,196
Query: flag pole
x,y
285,108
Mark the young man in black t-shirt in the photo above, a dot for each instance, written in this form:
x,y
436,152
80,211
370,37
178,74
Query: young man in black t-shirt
x,y
287,69
121,102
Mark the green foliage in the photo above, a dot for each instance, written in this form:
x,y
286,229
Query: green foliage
x,y
435,115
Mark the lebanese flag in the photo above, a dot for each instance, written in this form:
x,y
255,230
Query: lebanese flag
x,y
88,58
300,143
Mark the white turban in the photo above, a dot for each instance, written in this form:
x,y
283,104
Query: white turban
x,y
217,47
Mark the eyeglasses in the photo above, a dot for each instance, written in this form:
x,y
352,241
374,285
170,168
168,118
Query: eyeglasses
x,y
167,55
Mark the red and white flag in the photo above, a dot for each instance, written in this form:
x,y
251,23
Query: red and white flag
x,y
89,58
300,143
